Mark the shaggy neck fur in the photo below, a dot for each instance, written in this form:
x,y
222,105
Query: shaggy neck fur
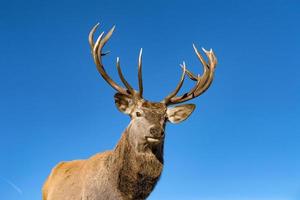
x,y
136,172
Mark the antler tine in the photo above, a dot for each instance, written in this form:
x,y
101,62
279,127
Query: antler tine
x,y
205,75
179,85
106,37
203,82
199,80
140,74
210,75
128,86
91,35
97,53
191,75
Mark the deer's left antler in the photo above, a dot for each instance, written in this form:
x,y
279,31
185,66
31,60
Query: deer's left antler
x,y
202,82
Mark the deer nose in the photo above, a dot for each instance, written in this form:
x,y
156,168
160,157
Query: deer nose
x,y
156,131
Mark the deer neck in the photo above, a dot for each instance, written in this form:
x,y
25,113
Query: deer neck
x,y
136,172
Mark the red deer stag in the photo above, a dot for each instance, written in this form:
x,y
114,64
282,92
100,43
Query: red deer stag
x,y
132,169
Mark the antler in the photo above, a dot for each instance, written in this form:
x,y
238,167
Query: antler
x,y
202,82
97,55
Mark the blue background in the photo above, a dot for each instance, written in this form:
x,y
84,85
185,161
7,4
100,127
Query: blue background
x,y
242,141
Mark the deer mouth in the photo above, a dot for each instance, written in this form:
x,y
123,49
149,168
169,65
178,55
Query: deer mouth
x,y
153,139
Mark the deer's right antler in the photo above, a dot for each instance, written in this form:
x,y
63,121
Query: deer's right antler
x,y
97,53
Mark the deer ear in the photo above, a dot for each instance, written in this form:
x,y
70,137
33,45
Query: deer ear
x,y
180,113
123,103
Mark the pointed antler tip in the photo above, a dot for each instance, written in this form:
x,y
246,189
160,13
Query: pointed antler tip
x,y
113,28
195,48
204,50
95,27
110,32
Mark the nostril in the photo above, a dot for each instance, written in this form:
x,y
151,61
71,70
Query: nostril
x,y
153,131
156,131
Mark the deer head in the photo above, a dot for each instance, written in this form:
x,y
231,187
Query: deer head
x,y
148,119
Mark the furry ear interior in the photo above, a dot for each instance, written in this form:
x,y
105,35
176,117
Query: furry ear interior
x,y
123,103
180,113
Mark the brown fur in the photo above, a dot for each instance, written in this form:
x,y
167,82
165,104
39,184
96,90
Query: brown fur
x,y
129,172
132,175
137,173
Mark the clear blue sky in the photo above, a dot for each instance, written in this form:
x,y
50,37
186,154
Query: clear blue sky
x,y
242,141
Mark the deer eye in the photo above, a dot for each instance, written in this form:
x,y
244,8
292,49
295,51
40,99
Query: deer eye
x,y
138,114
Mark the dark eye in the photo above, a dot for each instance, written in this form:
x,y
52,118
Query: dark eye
x,y
138,114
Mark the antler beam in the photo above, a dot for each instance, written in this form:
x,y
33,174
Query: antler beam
x,y
97,53
202,82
